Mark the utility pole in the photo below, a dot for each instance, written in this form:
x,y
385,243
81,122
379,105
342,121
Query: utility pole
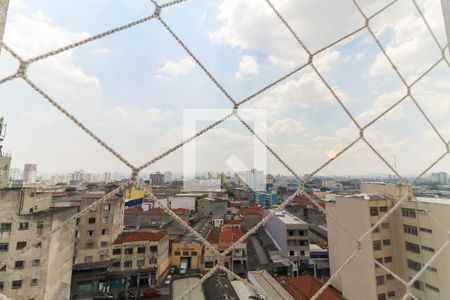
x,y
3,12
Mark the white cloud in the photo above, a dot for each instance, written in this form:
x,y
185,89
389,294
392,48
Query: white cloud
x,y
289,127
101,51
360,56
251,25
173,69
247,66
141,119
411,47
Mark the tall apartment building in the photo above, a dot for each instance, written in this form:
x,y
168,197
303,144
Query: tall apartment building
x,y
157,178
98,228
5,163
29,173
290,234
404,243
30,269
439,177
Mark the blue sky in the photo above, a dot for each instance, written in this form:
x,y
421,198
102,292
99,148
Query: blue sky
x,y
131,88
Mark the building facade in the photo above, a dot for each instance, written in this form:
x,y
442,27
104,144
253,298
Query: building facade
x,y
29,173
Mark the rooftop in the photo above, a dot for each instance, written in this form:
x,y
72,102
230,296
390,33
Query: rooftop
x,y
304,288
219,288
202,226
366,196
287,218
444,201
139,236
269,285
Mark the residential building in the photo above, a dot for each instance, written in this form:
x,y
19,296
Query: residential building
x,y
189,248
251,216
5,163
143,255
35,260
290,234
168,177
97,228
29,173
222,238
211,207
156,178
404,243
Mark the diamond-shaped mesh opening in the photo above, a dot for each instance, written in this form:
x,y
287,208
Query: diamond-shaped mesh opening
x,y
386,53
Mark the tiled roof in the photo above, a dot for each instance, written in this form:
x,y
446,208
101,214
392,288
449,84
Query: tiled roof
x,y
133,209
304,201
213,236
229,235
304,287
139,236
254,210
157,210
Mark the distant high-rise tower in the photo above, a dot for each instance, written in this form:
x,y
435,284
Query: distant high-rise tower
x,y
3,11
168,177
157,178
29,173
440,178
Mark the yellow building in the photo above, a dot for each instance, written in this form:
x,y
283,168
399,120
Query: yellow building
x,y
135,193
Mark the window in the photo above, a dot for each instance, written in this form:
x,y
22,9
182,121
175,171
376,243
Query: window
x,y
376,245
103,244
418,285
177,253
383,209
116,251
3,269
376,229
381,297
413,265
93,208
91,232
2,285
427,249
432,269
105,220
141,249
209,264
140,262
431,287
78,222
39,226
410,229
386,242
34,282
91,220
154,249
5,227
374,211
380,280
291,253
408,212
36,263
385,225
21,245
23,226
391,294
389,277
128,250
128,264
427,230
106,207
88,259
105,231
16,284
194,253
19,264
4,247
380,260
291,232
77,234
90,244
388,259
185,253
411,247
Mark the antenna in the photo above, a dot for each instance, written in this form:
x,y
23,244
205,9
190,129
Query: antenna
x,y
2,132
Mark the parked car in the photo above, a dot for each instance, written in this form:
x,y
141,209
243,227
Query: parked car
x,y
151,293
103,296
121,296
173,270
168,280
